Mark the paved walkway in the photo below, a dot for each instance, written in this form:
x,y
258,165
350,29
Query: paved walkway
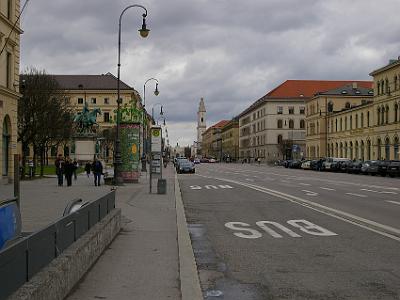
x,y
143,260
43,201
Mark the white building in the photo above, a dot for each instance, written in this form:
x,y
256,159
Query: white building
x,y
201,126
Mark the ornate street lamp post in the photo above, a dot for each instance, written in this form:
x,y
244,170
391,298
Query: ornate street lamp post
x,y
156,92
144,32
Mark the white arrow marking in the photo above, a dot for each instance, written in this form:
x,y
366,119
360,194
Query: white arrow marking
x,y
195,187
357,195
310,193
325,188
225,186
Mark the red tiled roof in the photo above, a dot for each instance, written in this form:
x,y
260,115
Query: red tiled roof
x,y
220,124
308,88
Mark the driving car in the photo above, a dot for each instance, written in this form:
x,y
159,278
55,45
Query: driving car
x,y
185,166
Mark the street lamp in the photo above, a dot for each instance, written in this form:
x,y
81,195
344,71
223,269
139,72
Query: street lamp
x,y
144,32
156,92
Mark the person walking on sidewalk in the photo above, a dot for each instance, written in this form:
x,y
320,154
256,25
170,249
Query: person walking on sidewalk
x,y
97,169
76,166
88,167
69,170
59,164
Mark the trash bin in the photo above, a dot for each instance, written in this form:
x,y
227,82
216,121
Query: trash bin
x,y
161,186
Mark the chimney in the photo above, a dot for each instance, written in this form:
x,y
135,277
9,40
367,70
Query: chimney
x,y
354,84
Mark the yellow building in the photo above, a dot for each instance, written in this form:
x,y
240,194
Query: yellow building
x,y
212,141
367,130
230,140
9,82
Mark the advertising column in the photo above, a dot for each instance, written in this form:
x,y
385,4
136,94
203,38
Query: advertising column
x,y
156,154
130,143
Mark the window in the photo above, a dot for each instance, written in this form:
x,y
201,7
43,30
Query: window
x,y
80,100
280,110
291,124
395,83
379,88
93,100
336,124
330,106
347,105
302,110
254,116
280,139
341,124
8,70
368,119
345,123
362,120
387,114
378,121
106,117
279,123
106,100
302,124
291,110
351,122
396,108
356,121
9,9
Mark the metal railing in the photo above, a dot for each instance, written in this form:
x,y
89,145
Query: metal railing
x,y
20,261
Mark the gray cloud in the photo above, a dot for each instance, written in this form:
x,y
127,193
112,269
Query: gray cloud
x,y
229,52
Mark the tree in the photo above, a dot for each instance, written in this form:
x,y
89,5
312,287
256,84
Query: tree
x,y
285,148
44,115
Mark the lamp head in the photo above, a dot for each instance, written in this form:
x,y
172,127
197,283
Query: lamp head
x,y
156,92
144,32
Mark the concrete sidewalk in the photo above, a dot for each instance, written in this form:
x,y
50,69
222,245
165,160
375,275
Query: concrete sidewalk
x,y
143,262
43,201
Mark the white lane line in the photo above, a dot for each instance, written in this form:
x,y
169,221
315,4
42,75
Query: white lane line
x,y
379,192
381,229
394,202
357,195
325,188
306,184
249,179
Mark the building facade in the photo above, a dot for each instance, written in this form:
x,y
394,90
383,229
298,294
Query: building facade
x,y
371,130
230,140
9,82
212,141
273,127
321,124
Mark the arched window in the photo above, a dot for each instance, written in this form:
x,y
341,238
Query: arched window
x,y
387,114
336,124
368,119
346,149
336,150
369,150
351,122
382,115
351,150
396,148
341,124
280,139
379,88
341,149
396,108
362,120
345,123
356,121
382,87
362,153
378,116
302,124
347,105
356,150
291,124
387,86
387,149
379,150
279,123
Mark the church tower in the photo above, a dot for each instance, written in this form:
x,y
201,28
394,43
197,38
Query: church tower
x,y
201,124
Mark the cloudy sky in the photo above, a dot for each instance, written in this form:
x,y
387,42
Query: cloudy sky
x,y
229,52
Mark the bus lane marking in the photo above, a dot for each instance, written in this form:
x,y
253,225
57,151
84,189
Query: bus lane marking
x,y
244,230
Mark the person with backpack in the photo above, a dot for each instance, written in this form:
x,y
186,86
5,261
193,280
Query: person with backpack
x,y
97,169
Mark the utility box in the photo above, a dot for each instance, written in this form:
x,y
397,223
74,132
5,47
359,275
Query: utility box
x,y
161,186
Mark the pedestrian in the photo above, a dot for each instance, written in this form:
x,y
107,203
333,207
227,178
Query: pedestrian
x,y
259,160
76,166
97,169
69,170
59,164
88,167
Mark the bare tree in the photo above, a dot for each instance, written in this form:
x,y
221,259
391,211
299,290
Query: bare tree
x,y
285,148
44,114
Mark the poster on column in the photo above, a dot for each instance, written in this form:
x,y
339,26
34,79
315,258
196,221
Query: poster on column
x,y
130,143
156,141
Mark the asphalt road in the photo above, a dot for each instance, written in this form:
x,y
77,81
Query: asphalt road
x,y
263,232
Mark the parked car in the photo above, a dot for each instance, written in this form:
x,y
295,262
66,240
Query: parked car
x,y
179,160
286,163
204,160
185,166
394,168
333,163
196,161
212,160
306,165
355,167
370,167
295,164
383,167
